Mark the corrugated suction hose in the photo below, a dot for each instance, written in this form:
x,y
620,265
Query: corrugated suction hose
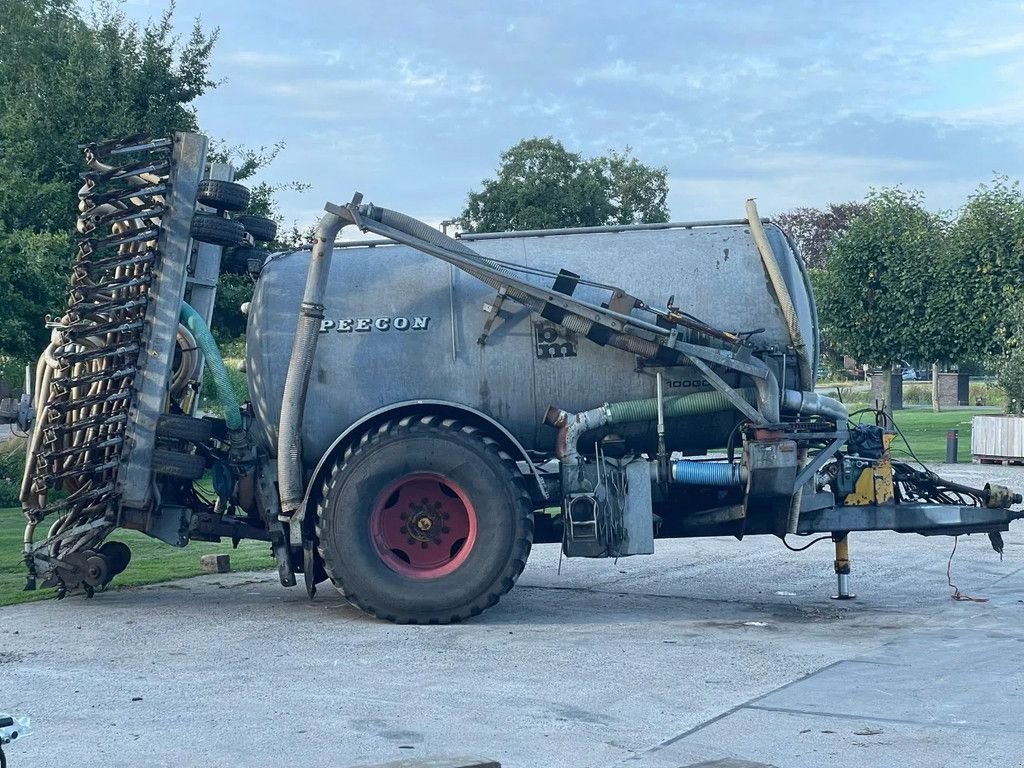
x,y
675,407
195,324
706,473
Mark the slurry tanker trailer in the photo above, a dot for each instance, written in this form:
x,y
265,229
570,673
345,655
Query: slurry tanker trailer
x,y
423,409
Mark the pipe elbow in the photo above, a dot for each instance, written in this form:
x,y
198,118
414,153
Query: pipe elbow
x,y
813,404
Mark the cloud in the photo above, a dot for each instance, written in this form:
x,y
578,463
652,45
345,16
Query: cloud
x,y
252,58
969,44
414,102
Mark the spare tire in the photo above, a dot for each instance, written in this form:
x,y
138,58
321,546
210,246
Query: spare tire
x,y
173,464
243,260
208,228
223,195
179,426
259,227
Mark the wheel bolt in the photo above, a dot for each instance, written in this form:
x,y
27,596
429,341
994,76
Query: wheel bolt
x,y
425,545
445,515
412,540
446,529
403,529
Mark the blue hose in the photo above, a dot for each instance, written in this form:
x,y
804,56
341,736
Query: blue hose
x,y
717,474
225,394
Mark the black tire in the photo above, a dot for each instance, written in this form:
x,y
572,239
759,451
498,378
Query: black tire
x,y
178,426
237,260
257,226
207,228
173,464
223,195
462,455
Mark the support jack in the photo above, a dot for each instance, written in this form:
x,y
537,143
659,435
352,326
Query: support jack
x,y
842,565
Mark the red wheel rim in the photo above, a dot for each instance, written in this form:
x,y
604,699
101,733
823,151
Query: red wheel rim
x,y
423,526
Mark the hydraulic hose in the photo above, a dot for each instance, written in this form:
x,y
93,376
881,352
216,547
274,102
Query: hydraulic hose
x,y
195,324
307,331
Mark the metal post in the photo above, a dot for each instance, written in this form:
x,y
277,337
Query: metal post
x,y
952,445
842,565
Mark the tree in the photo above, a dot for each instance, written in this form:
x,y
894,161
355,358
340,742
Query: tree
x,y
636,192
813,230
541,185
235,286
65,80
1010,362
68,77
987,267
29,280
872,297
985,292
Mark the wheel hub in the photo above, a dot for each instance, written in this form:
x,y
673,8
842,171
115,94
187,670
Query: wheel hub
x,y
423,526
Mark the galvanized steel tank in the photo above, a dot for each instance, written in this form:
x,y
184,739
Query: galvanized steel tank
x,y
402,326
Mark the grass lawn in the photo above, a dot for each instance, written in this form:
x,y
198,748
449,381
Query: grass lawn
x,y
152,560
926,431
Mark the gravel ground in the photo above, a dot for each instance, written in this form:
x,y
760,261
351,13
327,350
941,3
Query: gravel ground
x,y
710,649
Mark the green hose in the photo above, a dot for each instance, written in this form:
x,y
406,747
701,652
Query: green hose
x,y
684,405
195,323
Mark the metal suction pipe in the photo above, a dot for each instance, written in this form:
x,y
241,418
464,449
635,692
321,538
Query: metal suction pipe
x,y
813,404
307,331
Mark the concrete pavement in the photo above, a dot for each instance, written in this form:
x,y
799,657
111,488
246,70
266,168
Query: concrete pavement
x,y
708,650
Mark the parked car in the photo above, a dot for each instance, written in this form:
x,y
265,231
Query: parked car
x,y
902,368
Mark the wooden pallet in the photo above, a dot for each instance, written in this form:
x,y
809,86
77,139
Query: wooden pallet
x,y
1006,461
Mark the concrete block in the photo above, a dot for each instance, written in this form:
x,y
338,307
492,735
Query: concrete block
x,y
215,563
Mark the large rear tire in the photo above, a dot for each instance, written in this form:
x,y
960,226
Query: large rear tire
x,y
425,521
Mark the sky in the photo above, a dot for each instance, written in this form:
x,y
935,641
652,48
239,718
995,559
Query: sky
x,y
794,103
